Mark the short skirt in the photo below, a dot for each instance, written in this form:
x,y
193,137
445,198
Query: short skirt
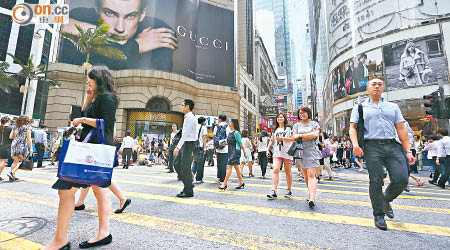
x,y
5,151
234,156
249,156
67,185
311,156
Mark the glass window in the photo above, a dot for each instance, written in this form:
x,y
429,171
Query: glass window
x,y
5,31
46,47
24,42
8,4
434,46
245,91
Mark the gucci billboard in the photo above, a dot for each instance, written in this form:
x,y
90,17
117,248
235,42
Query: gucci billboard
x,y
186,37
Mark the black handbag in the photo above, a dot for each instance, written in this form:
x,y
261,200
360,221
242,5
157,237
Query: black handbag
x,y
296,145
199,153
27,164
360,127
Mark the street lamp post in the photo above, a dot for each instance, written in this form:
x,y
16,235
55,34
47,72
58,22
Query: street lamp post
x,y
38,36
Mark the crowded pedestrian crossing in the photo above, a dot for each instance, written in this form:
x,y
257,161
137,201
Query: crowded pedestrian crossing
x,y
241,219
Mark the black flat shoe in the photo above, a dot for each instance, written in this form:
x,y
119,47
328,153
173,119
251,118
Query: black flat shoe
x,y
311,204
125,205
104,241
80,207
66,247
241,186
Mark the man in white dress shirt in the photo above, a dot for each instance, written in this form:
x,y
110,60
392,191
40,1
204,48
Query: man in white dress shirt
x,y
127,149
186,146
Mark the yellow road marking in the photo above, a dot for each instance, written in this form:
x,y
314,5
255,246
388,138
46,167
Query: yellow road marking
x,y
331,218
270,186
16,243
223,236
323,183
240,193
305,189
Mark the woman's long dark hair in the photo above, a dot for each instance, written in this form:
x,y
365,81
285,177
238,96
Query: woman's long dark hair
x,y
5,119
276,121
236,124
22,120
103,78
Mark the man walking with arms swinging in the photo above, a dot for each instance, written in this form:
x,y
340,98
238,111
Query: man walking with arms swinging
x,y
383,121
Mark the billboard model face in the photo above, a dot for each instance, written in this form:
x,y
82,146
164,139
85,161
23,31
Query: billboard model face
x,y
415,62
187,37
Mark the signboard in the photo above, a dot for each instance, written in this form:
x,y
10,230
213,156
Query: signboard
x,y
415,62
264,124
187,37
351,76
271,110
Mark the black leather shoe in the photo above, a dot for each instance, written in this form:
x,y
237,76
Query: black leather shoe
x,y
66,247
125,205
388,210
380,223
104,241
184,195
80,207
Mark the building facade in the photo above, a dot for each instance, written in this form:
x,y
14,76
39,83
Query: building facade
x,y
39,41
283,50
150,99
406,44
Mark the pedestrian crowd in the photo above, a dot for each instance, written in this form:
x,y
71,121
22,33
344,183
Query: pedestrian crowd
x,y
386,146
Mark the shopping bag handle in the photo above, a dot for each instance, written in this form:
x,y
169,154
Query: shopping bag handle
x,y
100,130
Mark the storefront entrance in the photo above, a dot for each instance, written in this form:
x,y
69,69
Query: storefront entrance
x,y
152,124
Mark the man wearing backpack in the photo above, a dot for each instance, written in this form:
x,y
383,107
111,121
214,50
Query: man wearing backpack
x,y
383,122
221,132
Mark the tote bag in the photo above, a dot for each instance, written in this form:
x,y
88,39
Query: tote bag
x,y
87,163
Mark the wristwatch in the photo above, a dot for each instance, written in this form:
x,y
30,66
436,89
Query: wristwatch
x,y
408,151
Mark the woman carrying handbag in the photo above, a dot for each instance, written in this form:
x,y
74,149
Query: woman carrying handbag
x,y
308,131
101,103
280,143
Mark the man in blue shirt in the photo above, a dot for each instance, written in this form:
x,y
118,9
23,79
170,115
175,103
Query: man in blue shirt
x,y
40,140
383,121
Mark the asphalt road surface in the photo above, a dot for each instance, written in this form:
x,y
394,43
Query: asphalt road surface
x,y
213,219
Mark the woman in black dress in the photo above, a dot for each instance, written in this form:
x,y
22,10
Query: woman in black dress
x,y
101,103
5,143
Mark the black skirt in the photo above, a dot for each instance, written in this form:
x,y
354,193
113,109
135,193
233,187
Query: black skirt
x,y
66,185
5,151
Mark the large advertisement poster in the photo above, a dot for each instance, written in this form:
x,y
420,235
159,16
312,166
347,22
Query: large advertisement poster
x,y
415,62
187,37
353,21
351,76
